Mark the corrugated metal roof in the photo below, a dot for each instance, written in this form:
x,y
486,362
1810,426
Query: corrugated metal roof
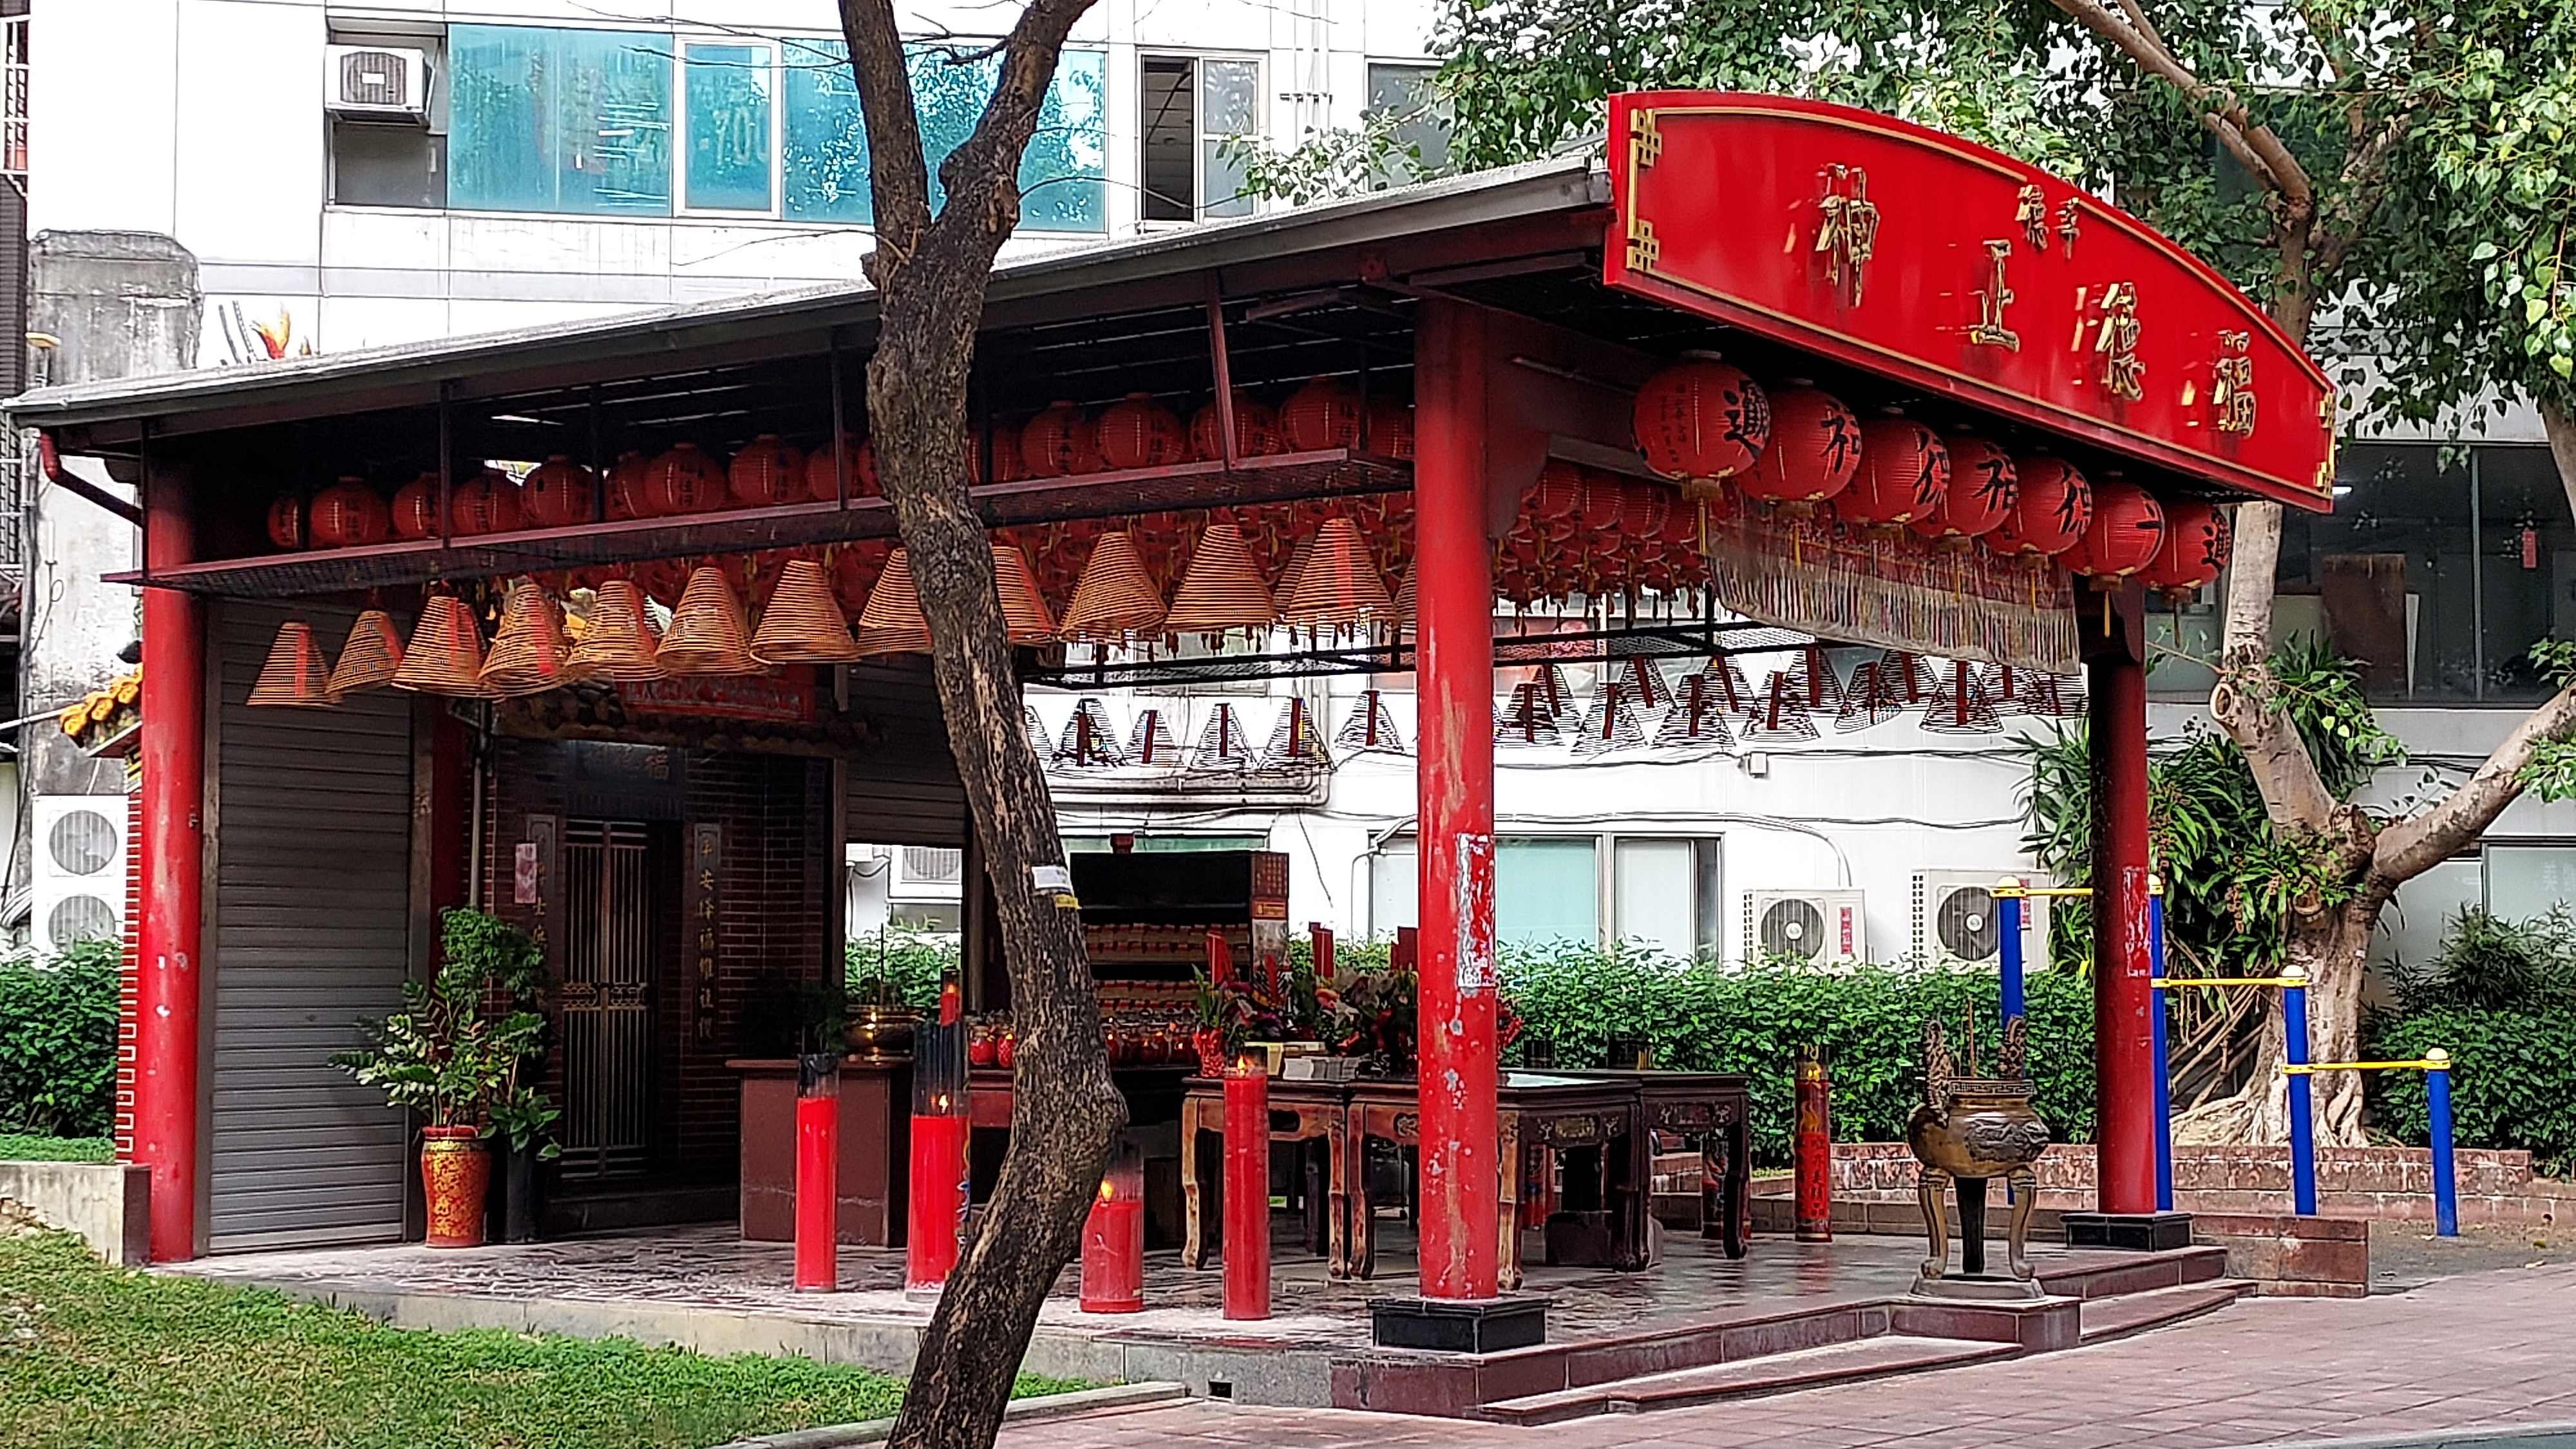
x,y
1534,188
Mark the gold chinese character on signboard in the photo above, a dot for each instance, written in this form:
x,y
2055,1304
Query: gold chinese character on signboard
x,y
1850,230
2231,388
2068,212
2031,215
2115,340
1992,299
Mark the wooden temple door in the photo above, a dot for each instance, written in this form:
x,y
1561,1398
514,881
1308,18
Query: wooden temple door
x,y
607,996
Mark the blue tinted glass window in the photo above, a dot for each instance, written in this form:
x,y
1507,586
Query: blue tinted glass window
x,y
727,92
573,121
826,150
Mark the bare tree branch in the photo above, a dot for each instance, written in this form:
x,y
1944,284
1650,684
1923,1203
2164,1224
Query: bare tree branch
x,y
2254,145
2245,704
2410,847
897,177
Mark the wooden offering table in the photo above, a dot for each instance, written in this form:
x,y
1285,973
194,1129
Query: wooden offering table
x,y
1716,1108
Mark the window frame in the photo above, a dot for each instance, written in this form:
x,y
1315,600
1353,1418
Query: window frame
x,y
1200,136
774,47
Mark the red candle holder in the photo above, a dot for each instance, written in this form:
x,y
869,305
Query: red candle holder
x,y
1113,1238
1247,1188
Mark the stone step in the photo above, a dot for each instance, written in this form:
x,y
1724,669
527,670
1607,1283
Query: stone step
x,y
2127,1313
2103,1273
1839,1363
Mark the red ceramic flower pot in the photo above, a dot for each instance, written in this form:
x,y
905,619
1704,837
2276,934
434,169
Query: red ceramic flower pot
x,y
456,1176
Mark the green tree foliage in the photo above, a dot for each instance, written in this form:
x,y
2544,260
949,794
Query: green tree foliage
x,y
58,1041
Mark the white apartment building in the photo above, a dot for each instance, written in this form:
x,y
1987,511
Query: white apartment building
x,y
358,175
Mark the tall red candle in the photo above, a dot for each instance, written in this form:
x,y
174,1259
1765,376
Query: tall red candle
x,y
1815,1149
935,1206
1247,1189
818,1163
1113,1239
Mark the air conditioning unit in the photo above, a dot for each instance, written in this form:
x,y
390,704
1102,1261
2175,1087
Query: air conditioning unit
x,y
77,890
1956,922
376,82
1820,928
927,873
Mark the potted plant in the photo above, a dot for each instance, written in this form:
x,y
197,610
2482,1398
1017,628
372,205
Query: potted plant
x,y
1232,1012
1373,1016
459,1053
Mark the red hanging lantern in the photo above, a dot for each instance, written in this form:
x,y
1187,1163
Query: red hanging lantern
x,y
1322,414
2197,544
2128,527
1904,469
1555,505
684,480
558,492
1140,433
1386,427
823,477
1813,451
286,521
488,504
348,513
628,497
1058,442
2052,505
415,510
1981,491
1605,505
766,472
1256,430
1701,421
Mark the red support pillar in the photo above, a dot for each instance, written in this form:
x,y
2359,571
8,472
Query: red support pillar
x,y
2123,1022
1454,781
173,749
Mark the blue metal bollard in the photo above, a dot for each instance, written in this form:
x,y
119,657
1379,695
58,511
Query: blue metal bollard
x,y
2164,1067
2303,1125
2437,1105
2008,940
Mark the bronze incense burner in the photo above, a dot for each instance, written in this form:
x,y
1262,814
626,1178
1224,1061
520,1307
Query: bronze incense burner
x,y
1969,1128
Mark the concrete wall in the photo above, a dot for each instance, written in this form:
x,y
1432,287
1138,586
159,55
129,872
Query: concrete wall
x,y
106,1203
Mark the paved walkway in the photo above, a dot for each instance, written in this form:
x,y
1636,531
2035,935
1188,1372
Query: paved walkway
x,y
2478,1350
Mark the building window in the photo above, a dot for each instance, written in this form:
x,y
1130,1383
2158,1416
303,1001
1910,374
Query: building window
x,y
1402,95
568,121
726,94
1159,844
1193,105
1663,893
1063,174
1667,895
379,164
2527,880
2437,579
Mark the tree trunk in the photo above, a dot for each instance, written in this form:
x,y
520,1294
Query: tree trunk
x,y
2332,946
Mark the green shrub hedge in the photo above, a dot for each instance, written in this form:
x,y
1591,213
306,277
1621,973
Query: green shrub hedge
x,y
1751,1020
2513,1079
58,1042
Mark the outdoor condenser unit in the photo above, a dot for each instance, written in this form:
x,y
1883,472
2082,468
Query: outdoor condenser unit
x,y
1821,928
1956,922
376,82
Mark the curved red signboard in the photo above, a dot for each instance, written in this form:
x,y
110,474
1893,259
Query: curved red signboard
x,y
1917,255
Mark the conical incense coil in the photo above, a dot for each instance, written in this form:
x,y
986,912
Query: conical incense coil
x,y
803,623
892,621
1089,743
617,642
1612,724
1221,591
1339,584
1025,616
1371,726
1782,714
1294,740
1961,708
1526,720
1698,715
528,650
446,653
371,656
1151,744
296,675
1221,742
1113,601
708,634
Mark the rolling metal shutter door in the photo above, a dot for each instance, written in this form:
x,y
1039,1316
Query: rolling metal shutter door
x,y
312,839
903,790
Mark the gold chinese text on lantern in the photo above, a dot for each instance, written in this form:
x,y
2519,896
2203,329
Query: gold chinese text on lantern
x,y
2231,387
2115,339
1992,299
1850,231
2030,213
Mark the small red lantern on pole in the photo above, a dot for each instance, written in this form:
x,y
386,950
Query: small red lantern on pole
x,y
818,1175
1247,1188
1113,1238
1815,1148
940,1126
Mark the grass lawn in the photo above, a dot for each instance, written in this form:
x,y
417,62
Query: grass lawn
x,y
95,1357
18,1147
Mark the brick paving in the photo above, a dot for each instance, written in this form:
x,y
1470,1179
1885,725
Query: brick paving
x,y
2479,1350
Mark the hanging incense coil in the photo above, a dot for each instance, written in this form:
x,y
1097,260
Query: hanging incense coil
x,y
1404,598
1371,726
1026,619
1113,601
446,653
803,623
618,641
1339,584
371,656
528,650
1295,743
708,634
1221,591
892,622
296,675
